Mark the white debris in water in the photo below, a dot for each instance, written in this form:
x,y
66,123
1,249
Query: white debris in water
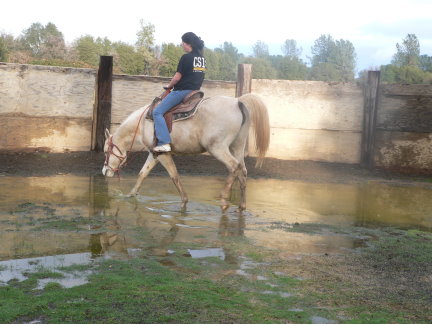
x,y
188,226
166,216
280,293
271,285
295,310
205,253
322,320
248,264
68,281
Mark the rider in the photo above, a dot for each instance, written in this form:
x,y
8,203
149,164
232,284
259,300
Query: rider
x,y
189,76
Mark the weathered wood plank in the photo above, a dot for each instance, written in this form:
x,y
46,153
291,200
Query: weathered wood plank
x,y
54,134
402,150
405,114
102,116
369,120
244,79
424,90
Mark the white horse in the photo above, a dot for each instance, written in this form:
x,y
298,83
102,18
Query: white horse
x,y
220,126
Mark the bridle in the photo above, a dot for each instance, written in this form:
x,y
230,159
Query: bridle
x,y
110,151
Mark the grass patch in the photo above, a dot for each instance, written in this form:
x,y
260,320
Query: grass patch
x,y
386,282
143,291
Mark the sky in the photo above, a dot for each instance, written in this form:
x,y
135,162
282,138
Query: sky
x,y
372,26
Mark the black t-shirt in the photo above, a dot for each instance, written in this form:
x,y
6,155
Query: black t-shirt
x,y
192,67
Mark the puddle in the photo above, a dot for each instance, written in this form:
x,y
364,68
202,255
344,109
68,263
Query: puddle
x,y
73,220
19,269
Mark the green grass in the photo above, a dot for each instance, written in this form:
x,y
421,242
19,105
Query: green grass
x,y
139,291
382,284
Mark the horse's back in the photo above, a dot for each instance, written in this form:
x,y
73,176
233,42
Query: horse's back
x,y
217,117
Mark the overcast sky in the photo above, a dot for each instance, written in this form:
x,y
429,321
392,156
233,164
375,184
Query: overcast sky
x,y
374,27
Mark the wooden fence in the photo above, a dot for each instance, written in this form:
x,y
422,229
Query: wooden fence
x,y
376,125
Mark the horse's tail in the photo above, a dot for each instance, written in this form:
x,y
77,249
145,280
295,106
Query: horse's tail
x,y
260,122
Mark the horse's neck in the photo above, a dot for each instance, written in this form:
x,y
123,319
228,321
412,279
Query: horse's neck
x,y
128,131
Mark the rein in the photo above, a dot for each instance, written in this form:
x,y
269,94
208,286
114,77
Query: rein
x,y
111,145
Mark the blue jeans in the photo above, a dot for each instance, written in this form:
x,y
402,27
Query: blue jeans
x,y
173,98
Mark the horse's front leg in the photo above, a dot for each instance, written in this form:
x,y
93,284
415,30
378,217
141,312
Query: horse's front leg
x,y
149,164
166,160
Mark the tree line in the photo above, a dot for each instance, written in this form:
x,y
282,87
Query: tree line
x,y
331,60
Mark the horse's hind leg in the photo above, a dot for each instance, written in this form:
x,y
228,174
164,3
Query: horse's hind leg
x,y
233,166
168,163
238,152
149,164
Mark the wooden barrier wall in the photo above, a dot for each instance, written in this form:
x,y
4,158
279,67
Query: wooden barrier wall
x,y
390,126
403,138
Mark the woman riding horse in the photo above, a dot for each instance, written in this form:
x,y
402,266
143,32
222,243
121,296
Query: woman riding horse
x,y
189,76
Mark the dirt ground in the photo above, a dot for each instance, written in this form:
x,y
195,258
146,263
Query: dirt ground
x,y
90,163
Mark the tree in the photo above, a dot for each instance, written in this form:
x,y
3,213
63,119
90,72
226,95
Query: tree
x,y
89,49
228,59
6,44
333,60
127,59
262,68
408,53
44,41
404,74
170,57
260,50
214,64
425,63
289,68
289,48
322,49
344,57
145,44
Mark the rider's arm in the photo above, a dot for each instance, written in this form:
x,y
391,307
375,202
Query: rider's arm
x,y
176,78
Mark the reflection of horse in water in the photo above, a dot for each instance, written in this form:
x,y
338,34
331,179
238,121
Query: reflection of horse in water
x,y
111,241
220,126
157,235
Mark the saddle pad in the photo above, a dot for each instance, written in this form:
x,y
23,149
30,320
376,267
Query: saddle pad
x,y
182,111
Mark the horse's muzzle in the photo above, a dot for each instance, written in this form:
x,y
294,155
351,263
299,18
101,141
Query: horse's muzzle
x,y
107,172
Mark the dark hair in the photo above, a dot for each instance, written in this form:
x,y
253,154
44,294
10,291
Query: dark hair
x,y
193,40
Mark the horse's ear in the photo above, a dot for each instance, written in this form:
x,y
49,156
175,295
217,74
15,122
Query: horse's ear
x,y
107,133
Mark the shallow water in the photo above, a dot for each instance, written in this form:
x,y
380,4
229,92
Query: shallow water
x,y
79,219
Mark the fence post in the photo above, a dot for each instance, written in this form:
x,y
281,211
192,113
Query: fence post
x,y
102,109
244,79
369,119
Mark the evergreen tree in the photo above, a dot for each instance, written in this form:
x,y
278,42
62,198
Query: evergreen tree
x,y
408,53
145,46
333,60
425,63
260,50
289,48
170,57
262,68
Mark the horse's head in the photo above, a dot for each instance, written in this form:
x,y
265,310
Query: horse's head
x,y
115,156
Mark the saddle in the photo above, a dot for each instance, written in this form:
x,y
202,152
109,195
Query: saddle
x,y
183,110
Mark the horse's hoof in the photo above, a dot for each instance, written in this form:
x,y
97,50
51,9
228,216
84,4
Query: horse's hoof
x,y
224,208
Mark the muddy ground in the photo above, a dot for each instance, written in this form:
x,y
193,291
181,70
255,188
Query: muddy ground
x,y
90,163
